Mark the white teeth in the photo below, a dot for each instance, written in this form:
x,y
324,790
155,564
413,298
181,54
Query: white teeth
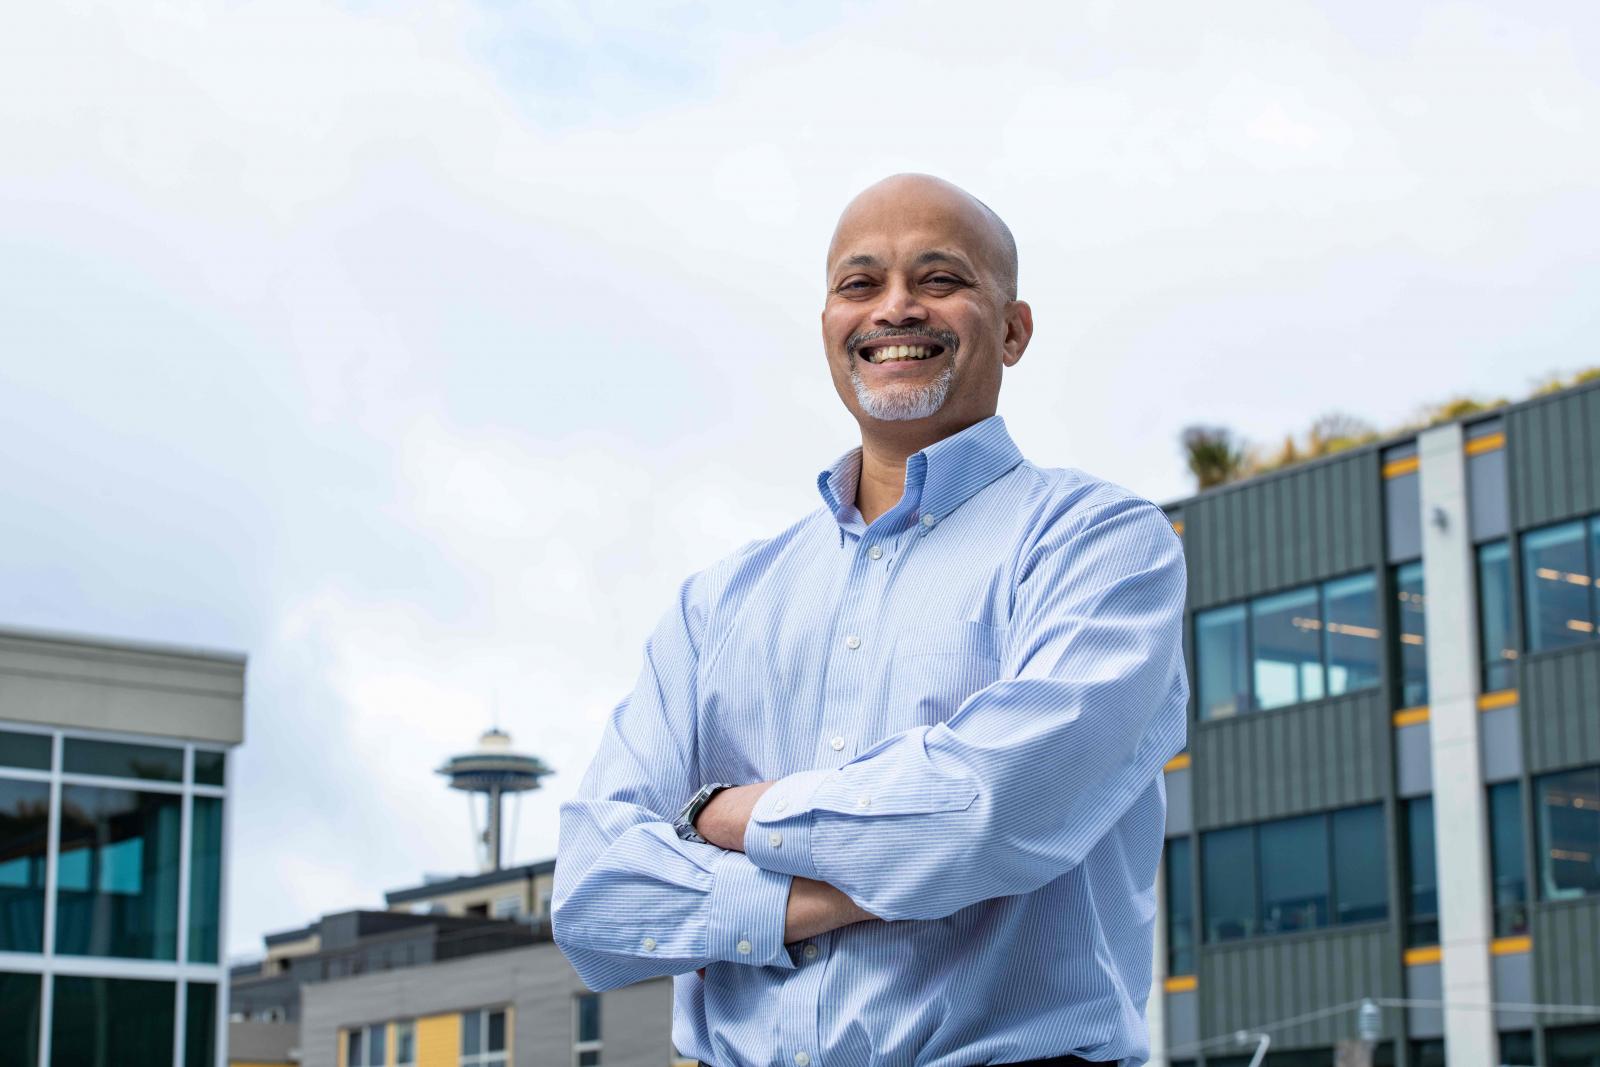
x,y
897,353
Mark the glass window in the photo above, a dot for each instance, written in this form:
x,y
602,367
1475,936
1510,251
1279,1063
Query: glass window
x,y
1411,625
1228,874
1351,633
1422,879
1573,1046
1569,833
405,1044
208,767
472,1033
1180,908
1222,662
1294,874
377,1041
355,1048
19,1017
1556,582
496,1039
112,1022
1495,645
1286,635
24,839
31,752
116,759
200,1025
1360,866
205,878
483,1039
1516,1048
118,873
589,1017
1506,860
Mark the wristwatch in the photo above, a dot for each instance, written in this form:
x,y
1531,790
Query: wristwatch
x,y
684,824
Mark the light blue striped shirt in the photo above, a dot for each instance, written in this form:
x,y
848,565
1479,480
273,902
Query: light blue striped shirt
x,y
967,706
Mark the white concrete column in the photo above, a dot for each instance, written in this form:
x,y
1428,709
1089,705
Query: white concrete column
x,y
1459,816
1155,1009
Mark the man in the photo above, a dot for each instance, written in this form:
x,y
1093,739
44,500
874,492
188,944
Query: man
x,y
888,791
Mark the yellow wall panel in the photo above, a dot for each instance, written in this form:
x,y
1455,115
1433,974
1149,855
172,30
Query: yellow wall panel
x,y
439,1041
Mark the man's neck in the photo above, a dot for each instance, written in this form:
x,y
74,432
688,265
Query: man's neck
x,y
883,462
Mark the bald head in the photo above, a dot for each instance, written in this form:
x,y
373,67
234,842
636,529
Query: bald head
x,y
909,199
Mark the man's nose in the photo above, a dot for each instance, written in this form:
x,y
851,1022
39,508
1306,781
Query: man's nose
x,y
898,305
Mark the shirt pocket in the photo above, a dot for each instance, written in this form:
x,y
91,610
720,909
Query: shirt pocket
x,y
937,666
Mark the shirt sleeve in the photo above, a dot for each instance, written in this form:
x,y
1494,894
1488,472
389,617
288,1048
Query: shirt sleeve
x,y
632,900
1018,786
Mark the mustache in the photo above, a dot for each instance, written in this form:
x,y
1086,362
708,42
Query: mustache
x,y
944,338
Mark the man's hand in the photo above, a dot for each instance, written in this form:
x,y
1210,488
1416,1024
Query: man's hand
x,y
817,907
722,822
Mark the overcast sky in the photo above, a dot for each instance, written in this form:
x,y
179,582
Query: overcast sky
x,y
419,351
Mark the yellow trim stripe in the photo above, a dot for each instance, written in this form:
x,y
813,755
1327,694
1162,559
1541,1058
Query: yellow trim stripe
x,y
1178,762
1487,443
1181,983
1410,716
1396,467
1503,699
1510,946
1425,954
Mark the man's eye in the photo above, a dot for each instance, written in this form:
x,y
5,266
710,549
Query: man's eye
x,y
943,279
854,283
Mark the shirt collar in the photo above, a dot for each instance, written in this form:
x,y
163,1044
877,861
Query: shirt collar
x,y
939,479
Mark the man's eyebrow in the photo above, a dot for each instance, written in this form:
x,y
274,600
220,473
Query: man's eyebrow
x,y
939,255
860,259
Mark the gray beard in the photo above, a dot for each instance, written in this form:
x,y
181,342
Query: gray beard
x,y
898,403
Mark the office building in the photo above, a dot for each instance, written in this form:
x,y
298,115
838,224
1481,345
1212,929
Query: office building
x,y
1392,784
114,786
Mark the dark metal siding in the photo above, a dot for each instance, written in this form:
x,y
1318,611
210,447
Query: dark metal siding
x,y
1560,700
1248,986
1554,449
1303,525
1566,967
1268,765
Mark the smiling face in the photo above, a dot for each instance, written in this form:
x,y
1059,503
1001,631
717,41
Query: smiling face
x,y
921,315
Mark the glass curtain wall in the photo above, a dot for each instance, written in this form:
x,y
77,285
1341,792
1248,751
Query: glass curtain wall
x,y
1569,834
1506,859
1497,646
1558,585
1411,629
1180,907
110,961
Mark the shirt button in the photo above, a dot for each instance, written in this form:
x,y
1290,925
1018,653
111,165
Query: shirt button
x,y
649,944
875,552
782,805
811,952
837,744
863,801
774,839
801,1059
743,947
852,642
928,521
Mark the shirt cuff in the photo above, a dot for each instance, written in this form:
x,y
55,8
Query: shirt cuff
x,y
778,835
748,909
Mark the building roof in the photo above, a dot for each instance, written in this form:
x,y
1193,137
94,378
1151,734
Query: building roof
x,y
429,890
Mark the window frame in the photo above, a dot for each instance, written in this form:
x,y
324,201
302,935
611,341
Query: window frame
x,y
1522,566
1381,584
1258,919
595,1045
485,1056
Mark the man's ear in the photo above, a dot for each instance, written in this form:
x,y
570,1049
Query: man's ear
x,y
1019,331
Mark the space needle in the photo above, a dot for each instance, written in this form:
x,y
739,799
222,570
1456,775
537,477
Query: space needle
x,y
494,771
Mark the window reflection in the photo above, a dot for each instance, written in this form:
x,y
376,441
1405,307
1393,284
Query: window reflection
x,y
1569,834
1422,879
1360,869
1507,866
24,833
118,873
1411,626
1556,584
1496,646
1286,632
1180,908
1294,874
112,1022
1351,633
1228,864
205,878
1222,665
